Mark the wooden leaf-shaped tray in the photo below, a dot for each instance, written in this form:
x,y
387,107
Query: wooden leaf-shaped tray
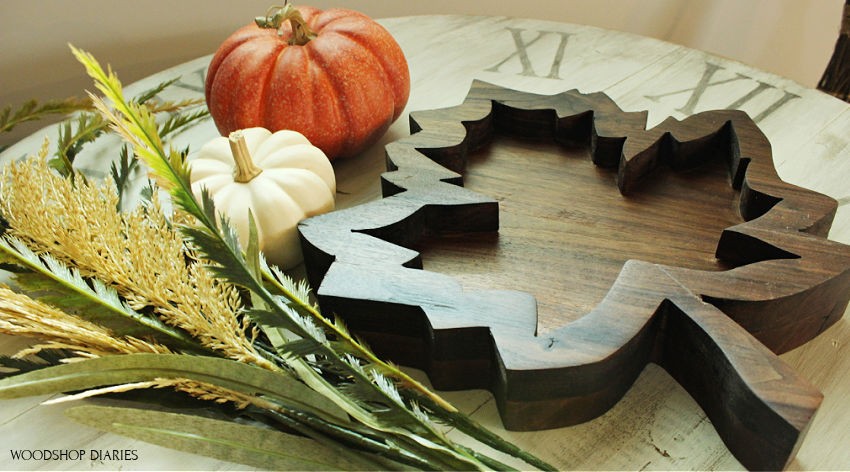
x,y
565,246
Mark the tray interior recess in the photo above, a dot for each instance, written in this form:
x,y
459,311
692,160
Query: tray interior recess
x,y
565,230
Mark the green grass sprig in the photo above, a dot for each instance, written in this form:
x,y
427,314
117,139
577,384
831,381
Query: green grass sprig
x,y
32,110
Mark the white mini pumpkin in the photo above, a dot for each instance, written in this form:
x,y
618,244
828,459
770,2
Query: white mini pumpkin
x,y
280,177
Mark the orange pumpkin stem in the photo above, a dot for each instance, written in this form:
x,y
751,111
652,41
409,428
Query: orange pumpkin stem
x,y
277,16
245,170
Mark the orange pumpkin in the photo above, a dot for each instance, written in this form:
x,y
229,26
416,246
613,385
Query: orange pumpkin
x,y
336,76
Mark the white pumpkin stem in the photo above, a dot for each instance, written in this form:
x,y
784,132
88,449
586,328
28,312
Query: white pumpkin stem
x,y
245,170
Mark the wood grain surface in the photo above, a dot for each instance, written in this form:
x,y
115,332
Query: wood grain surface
x,y
648,311
656,424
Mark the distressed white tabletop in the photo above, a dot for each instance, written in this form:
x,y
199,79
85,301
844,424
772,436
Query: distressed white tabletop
x,y
656,425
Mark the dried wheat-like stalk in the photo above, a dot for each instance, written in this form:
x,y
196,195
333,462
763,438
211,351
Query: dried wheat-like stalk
x,y
21,315
200,390
138,252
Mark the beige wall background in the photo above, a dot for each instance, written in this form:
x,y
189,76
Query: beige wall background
x,y
793,38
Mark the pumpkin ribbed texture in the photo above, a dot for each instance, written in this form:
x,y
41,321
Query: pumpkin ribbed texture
x,y
341,90
292,180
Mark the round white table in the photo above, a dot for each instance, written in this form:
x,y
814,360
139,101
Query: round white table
x,y
656,425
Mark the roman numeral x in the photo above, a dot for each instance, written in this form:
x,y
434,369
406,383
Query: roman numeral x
x,y
521,53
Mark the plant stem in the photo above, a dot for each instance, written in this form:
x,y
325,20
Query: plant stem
x,y
275,18
471,428
245,170
330,435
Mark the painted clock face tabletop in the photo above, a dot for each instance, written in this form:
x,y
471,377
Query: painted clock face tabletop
x,y
656,424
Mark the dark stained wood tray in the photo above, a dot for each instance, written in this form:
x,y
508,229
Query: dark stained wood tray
x,y
548,247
